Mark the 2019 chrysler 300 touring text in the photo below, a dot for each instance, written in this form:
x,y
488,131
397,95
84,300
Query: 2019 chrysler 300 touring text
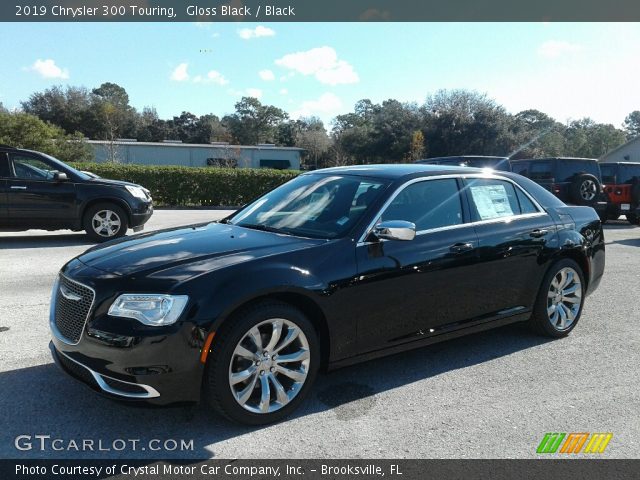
x,y
334,267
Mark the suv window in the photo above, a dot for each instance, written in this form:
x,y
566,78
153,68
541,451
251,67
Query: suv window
x,y
429,204
567,169
521,168
608,173
496,199
628,173
540,171
30,168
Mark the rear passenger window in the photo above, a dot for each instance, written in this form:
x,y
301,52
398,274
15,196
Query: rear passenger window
x,y
541,171
526,205
493,199
429,204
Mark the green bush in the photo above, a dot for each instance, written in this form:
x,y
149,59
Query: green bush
x,y
189,186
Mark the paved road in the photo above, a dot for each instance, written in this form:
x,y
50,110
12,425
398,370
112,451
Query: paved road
x,y
493,394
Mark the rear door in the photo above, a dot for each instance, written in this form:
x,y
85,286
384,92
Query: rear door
x,y
34,198
4,175
513,235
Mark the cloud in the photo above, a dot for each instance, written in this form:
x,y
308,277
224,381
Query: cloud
x,y
49,69
266,75
326,104
284,91
557,48
259,31
254,92
212,77
180,73
323,63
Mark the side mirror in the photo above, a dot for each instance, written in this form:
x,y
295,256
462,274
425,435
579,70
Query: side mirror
x,y
60,177
395,230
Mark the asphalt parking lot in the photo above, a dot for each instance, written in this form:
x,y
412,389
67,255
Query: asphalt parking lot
x,y
490,395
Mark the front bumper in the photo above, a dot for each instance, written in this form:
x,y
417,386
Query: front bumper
x,y
124,359
140,214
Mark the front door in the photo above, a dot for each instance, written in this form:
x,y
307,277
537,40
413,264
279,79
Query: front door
x,y
412,289
34,198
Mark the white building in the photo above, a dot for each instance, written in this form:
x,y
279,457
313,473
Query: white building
x,y
197,155
628,152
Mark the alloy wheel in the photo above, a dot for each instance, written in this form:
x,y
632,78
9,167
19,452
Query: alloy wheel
x,y
564,298
106,223
269,366
588,190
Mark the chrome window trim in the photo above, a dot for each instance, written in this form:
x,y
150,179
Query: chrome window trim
x,y
487,176
98,377
52,310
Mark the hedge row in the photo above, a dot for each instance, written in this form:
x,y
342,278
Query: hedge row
x,y
188,186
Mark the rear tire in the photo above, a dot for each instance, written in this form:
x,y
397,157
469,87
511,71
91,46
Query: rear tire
x,y
560,300
632,218
243,365
105,221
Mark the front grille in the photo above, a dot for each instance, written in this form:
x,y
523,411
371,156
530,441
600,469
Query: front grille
x,y
77,371
73,304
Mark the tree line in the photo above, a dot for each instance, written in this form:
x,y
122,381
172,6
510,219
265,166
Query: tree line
x,y
449,122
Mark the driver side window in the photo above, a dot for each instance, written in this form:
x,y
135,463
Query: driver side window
x,y
429,204
30,168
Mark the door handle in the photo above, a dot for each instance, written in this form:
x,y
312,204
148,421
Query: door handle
x,y
461,247
18,187
538,232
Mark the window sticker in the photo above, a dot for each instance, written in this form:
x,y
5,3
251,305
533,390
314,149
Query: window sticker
x,y
491,201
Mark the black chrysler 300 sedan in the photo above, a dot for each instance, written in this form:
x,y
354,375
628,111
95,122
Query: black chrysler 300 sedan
x,y
331,268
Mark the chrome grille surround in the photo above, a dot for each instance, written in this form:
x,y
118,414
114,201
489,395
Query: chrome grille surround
x,y
71,305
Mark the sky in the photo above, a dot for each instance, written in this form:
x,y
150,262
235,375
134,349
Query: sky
x,y
567,70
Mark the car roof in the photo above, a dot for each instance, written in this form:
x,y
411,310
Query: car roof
x,y
555,158
398,170
634,164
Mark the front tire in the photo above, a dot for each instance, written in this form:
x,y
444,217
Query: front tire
x,y
262,364
105,221
560,299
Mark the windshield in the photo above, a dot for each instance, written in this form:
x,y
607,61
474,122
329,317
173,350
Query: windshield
x,y
311,205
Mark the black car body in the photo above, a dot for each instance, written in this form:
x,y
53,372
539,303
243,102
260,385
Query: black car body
x,y
474,161
365,294
39,191
575,181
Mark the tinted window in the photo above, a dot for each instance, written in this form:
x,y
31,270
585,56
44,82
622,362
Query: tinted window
x,y
608,173
540,171
319,206
566,169
428,204
521,168
277,164
526,205
493,199
30,168
4,165
628,173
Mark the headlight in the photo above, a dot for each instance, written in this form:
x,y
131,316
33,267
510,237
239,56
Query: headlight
x,y
150,309
137,192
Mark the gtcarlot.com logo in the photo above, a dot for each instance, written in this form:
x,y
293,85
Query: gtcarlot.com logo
x,y
45,443
574,442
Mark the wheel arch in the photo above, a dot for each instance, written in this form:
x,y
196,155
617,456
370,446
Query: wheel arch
x,y
117,201
302,302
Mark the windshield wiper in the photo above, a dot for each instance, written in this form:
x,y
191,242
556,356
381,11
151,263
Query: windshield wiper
x,y
263,228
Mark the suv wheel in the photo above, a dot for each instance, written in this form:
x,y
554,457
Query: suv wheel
x,y
263,364
105,221
632,218
560,299
584,189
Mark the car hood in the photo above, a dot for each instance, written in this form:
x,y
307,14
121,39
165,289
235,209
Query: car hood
x,y
107,181
214,245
